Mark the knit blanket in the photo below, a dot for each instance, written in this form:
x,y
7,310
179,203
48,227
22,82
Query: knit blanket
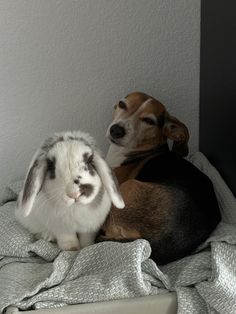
x,y
35,274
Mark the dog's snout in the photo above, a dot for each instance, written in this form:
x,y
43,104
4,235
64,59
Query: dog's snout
x,y
117,131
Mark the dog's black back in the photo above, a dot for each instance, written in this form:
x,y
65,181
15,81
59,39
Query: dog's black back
x,y
195,211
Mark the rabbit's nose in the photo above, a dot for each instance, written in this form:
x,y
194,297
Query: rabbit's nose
x,y
73,195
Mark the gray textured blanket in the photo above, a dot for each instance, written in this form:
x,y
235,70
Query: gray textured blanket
x,y
35,274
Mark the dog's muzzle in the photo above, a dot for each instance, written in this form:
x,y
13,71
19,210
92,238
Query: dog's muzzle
x,y
117,131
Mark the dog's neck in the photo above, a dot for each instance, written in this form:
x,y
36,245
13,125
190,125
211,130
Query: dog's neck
x,y
118,155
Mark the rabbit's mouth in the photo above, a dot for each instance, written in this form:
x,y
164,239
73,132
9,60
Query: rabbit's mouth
x,y
82,195
73,195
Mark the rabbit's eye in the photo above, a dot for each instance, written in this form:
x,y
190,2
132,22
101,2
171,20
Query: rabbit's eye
x,y
87,158
51,164
90,159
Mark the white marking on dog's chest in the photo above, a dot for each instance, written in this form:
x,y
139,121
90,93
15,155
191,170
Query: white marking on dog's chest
x,y
115,155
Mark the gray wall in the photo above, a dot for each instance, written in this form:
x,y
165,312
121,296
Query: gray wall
x,y
63,64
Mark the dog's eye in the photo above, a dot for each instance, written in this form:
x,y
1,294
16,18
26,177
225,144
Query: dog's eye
x,y
122,105
149,121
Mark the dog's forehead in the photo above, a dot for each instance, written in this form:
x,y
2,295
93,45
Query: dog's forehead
x,y
144,104
153,107
135,100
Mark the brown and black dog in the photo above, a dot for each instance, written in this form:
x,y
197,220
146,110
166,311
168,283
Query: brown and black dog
x,y
169,202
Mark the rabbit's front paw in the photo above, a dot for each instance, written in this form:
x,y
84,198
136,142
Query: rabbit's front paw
x,y
45,236
68,243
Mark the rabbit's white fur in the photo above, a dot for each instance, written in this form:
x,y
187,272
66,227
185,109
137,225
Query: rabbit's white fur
x,y
68,191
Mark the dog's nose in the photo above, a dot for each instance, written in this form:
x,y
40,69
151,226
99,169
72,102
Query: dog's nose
x,y
117,131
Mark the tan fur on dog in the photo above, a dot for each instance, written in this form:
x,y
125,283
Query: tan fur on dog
x,y
135,222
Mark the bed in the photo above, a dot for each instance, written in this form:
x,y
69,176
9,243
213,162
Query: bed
x,y
35,274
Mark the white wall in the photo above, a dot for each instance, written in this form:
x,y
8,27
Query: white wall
x,y
64,63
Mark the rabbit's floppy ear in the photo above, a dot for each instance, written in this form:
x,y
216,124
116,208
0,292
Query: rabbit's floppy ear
x,y
108,180
33,183
36,174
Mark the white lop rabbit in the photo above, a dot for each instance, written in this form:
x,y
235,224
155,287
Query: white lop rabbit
x,y
68,191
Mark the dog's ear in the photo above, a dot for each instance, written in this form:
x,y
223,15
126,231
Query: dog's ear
x,y
178,132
